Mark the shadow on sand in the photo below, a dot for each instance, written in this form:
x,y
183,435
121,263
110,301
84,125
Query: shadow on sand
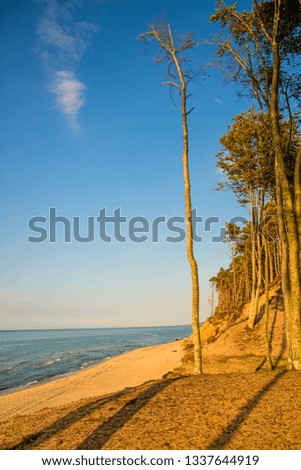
x,y
103,432
98,438
221,441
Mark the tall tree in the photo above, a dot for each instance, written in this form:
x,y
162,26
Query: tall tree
x,y
173,52
247,161
259,49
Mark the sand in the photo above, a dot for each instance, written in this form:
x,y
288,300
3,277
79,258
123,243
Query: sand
x,y
125,404
126,370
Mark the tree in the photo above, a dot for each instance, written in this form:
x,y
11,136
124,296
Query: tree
x,y
267,300
247,161
259,50
173,52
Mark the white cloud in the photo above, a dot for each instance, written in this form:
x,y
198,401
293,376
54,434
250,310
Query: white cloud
x,y
62,42
69,96
52,34
218,101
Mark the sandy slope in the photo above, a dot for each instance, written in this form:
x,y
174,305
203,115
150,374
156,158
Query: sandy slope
x,y
127,370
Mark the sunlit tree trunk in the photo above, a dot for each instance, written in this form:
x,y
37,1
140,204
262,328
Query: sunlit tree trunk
x,y
293,289
267,305
297,189
189,236
177,79
256,262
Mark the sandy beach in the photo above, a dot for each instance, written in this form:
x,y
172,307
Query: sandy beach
x,y
126,370
124,403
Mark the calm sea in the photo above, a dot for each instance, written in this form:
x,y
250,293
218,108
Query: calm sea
x,y
28,357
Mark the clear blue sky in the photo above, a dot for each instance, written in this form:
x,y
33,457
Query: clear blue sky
x,y
86,125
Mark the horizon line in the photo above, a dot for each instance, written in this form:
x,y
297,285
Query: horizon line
x,y
93,328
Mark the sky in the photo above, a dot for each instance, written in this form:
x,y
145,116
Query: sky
x,y
87,125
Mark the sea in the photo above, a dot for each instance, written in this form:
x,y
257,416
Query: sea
x,y
28,357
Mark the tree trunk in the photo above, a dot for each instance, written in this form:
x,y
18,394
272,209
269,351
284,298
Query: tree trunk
x,y
178,78
256,270
212,299
297,197
247,283
189,241
267,306
293,292
271,265
284,259
234,271
256,295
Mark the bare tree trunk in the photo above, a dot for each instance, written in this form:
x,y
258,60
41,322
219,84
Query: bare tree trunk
x,y
234,270
247,285
271,266
255,303
177,78
252,313
212,299
284,258
256,270
278,255
189,241
239,296
293,293
267,306
297,196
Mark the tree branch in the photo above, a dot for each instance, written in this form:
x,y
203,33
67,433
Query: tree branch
x,y
172,84
256,9
190,111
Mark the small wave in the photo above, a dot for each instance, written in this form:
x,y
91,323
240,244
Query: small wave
x,y
31,383
84,365
52,361
6,369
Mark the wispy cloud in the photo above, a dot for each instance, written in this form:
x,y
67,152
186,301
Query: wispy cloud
x,y
218,101
63,40
69,96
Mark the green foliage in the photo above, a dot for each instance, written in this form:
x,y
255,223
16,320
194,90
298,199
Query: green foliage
x,y
247,156
244,49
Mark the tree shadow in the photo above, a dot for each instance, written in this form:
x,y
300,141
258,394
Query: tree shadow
x,y
36,439
65,422
98,438
260,315
227,434
282,348
260,366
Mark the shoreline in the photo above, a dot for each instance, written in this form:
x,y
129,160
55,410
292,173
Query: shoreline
x,y
43,381
128,369
37,383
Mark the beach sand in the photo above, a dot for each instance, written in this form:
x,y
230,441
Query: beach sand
x,y
124,403
126,370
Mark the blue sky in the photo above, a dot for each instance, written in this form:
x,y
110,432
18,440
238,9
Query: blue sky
x,y
86,125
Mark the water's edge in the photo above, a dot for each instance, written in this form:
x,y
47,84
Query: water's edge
x,y
31,358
